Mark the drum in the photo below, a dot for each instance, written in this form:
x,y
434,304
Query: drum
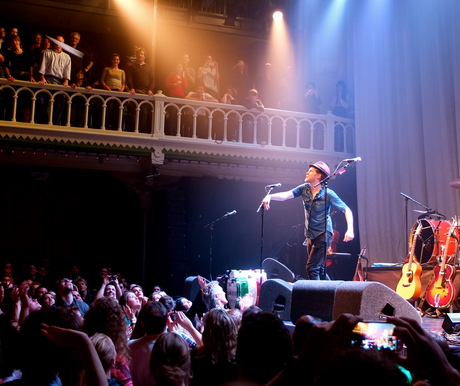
x,y
432,240
241,282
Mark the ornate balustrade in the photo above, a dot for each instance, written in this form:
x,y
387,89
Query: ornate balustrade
x,y
169,125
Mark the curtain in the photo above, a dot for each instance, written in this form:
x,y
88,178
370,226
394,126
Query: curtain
x,y
406,66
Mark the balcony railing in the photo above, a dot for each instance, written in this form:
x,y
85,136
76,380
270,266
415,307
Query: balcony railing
x,y
171,125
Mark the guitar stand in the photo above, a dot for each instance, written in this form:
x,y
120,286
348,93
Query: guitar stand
x,y
432,314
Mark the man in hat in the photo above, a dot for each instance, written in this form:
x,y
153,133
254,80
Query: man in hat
x,y
318,223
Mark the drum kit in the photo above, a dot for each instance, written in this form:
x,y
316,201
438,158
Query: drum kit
x,y
430,243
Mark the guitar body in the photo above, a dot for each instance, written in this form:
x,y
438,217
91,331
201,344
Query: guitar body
x,y
441,290
410,282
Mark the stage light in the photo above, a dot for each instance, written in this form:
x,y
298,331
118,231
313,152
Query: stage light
x,y
277,15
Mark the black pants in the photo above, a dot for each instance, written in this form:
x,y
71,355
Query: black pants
x,y
316,250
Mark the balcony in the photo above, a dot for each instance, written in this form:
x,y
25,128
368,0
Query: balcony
x,y
181,137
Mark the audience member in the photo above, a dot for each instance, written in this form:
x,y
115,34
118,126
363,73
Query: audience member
x,y
153,318
268,87
6,43
140,78
230,96
83,64
312,101
107,355
137,289
17,67
208,75
106,316
339,102
214,296
131,306
109,288
264,347
55,69
65,296
2,38
55,66
35,56
48,300
170,361
240,81
189,73
86,295
214,362
200,95
176,83
252,102
113,78
93,372
183,304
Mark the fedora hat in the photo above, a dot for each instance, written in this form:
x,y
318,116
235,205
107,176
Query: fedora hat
x,y
322,167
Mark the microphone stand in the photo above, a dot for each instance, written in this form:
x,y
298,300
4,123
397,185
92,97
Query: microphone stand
x,y
428,212
261,209
211,226
338,170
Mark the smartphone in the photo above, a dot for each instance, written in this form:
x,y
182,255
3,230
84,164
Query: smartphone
x,y
174,316
375,335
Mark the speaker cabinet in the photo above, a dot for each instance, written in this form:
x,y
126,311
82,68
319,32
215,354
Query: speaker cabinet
x,y
328,299
275,295
191,287
277,270
313,297
451,323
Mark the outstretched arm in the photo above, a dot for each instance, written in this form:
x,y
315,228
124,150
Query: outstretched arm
x,y
349,234
282,196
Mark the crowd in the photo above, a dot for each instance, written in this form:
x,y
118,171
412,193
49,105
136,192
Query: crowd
x,y
45,60
63,331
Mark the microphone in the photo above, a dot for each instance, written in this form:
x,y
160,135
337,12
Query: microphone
x,y
231,213
352,159
278,185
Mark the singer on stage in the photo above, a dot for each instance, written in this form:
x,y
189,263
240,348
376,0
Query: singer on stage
x,y
317,215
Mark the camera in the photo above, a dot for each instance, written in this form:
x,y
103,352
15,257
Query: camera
x,y
174,316
112,278
375,335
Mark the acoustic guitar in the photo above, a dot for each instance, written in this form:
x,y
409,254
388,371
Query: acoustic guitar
x,y
410,283
441,290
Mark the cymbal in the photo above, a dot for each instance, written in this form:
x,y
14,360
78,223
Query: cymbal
x,y
455,184
422,211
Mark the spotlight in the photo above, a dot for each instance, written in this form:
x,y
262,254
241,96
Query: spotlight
x,y
277,15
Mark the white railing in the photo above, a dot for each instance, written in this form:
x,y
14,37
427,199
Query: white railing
x,y
172,119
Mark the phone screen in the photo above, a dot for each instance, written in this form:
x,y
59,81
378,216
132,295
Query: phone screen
x,y
375,335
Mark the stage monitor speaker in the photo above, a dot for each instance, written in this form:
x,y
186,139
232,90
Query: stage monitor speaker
x,y
191,287
328,299
275,295
313,297
451,323
276,270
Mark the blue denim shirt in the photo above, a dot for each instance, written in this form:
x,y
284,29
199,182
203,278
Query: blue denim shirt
x,y
314,209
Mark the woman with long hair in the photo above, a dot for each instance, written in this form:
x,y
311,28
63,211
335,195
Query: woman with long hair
x,y
214,362
170,361
107,317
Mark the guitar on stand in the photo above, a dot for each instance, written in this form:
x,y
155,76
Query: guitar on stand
x,y
359,276
410,282
440,292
